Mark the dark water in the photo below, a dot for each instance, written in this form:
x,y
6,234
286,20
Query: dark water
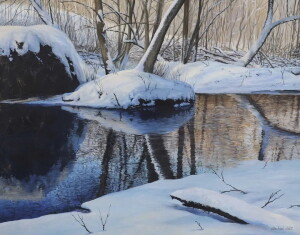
x,y
53,159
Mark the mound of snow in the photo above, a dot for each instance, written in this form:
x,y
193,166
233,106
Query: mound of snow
x,y
23,39
127,89
216,77
234,206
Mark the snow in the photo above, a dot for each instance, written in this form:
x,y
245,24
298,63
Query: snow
x,y
33,37
124,90
234,206
214,77
148,209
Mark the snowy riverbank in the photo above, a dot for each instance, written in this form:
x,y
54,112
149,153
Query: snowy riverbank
x,y
132,88
148,209
215,77
123,90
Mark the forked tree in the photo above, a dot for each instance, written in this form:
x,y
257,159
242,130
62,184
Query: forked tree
x,y
268,27
149,58
46,17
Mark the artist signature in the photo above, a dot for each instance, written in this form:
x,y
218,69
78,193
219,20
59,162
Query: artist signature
x,y
282,228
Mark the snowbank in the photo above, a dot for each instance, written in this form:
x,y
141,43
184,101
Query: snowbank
x,y
148,209
126,89
215,77
23,39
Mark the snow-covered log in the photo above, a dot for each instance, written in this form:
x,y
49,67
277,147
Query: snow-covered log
x,y
230,207
37,61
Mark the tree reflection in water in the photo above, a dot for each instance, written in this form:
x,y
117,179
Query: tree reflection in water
x,y
54,159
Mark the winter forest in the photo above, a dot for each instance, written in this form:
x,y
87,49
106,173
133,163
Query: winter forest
x,y
149,117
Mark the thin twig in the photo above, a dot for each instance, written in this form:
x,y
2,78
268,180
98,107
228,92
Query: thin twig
x,y
81,222
266,163
272,198
233,189
201,228
104,221
117,100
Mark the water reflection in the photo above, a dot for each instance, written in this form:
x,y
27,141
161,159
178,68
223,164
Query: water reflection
x,y
146,121
53,159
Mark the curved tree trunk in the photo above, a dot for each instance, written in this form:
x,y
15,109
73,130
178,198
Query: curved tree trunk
x,y
148,60
159,12
268,27
43,14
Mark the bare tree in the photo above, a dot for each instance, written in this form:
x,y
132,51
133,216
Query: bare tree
x,y
102,38
43,14
148,60
268,27
159,12
185,30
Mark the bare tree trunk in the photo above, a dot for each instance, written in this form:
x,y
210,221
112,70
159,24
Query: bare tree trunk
x,y
148,60
43,14
147,29
194,39
102,36
185,31
268,27
130,14
120,35
159,12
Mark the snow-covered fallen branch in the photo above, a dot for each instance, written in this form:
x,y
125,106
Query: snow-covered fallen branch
x,y
207,208
230,207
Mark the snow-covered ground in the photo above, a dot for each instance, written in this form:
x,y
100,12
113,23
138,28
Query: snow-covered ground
x,y
216,77
148,209
125,89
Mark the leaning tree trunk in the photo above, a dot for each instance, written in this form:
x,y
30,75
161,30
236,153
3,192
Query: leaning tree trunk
x,y
101,34
148,60
159,12
268,27
43,14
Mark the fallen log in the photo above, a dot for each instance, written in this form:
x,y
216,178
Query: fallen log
x,y
209,209
232,208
